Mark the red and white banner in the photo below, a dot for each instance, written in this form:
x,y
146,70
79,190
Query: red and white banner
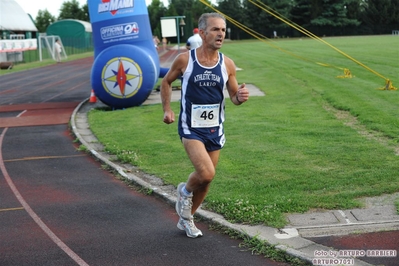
x,y
17,45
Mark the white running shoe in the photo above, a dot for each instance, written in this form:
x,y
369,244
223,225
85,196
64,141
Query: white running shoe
x,y
189,226
183,203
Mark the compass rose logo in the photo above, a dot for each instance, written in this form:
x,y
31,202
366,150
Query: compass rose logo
x,y
122,77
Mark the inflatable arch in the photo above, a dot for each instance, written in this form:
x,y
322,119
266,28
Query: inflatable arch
x,y
126,64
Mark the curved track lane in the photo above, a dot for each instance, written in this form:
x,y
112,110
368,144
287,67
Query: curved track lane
x,y
59,207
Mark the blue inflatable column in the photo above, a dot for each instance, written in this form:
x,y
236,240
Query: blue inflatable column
x,y
126,63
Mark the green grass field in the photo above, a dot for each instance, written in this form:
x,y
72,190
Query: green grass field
x,y
314,141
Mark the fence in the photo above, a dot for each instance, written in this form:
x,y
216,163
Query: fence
x,y
71,45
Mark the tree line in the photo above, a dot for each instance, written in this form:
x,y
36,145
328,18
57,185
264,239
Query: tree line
x,y
321,17
68,10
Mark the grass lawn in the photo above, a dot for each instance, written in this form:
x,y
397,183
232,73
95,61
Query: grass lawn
x,y
314,141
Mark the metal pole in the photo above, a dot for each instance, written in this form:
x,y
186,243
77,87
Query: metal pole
x,y
178,36
40,48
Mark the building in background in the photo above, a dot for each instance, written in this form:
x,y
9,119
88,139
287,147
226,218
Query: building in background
x,y
17,32
75,34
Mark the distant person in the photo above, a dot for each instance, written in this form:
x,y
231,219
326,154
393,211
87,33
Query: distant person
x,y
194,41
164,43
206,73
57,50
275,34
156,41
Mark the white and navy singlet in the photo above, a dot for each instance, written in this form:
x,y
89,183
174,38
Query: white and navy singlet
x,y
202,100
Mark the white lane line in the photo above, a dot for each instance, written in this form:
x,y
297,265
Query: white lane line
x,y
32,214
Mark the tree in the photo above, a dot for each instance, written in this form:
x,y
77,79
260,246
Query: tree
x,y
256,19
72,10
354,9
43,20
381,16
330,17
301,13
171,11
281,9
198,9
263,22
156,10
229,8
181,6
85,15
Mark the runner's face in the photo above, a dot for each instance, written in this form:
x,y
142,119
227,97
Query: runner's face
x,y
215,32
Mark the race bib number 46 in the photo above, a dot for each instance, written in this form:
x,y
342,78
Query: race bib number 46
x,y
205,115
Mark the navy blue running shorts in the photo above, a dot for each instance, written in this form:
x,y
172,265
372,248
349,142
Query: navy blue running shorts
x,y
213,144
